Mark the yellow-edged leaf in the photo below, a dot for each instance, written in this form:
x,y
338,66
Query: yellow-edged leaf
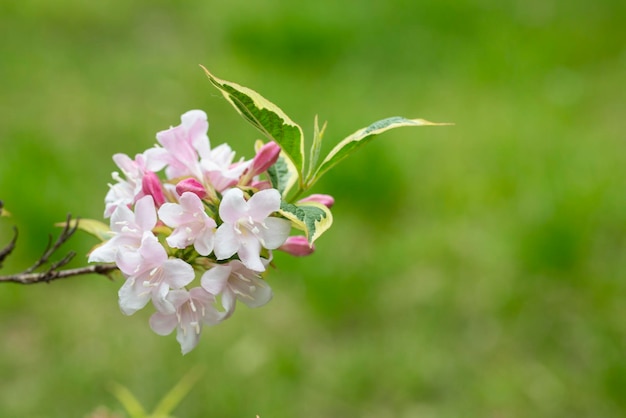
x,y
311,217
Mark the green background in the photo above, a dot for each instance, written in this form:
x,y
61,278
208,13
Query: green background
x,y
475,270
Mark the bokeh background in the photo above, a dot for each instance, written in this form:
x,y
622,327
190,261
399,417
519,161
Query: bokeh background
x,y
476,270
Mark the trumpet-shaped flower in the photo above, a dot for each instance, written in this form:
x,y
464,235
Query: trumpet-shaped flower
x,y
235,281
128,228
151,275
248,226
219,168
185,145
193,309
126,191
192,224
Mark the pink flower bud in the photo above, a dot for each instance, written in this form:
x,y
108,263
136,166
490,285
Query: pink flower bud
x,y
325,199
191,185
297,246
151,185
265,158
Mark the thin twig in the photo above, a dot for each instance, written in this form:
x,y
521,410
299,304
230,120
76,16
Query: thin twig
x,y
50,275
67,232
29,276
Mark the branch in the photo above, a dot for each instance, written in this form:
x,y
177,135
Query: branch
x,y
67,232
50,275
30,276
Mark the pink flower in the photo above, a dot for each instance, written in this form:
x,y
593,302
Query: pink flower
x,y
120,194
127,191
248,226
185,144
151,275
193,309
235,281
297,246
192,224
219,168
128,228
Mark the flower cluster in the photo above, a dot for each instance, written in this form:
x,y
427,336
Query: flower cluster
x,y
192,229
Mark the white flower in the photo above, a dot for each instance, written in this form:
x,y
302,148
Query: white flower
x,y
192,224
128,228
151,275
194,309
248,226
235,281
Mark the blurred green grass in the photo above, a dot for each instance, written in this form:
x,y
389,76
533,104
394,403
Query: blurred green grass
x,y
474,270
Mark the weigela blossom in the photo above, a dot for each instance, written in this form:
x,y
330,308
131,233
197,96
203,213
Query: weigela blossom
x,y
184,144
234,281
128,230
192,225
248,226
151,275
127,191
183,213
220,170
193,309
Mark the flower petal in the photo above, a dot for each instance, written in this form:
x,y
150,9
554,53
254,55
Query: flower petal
x,y
204,242
228,302
160,301
233,206
104,253
214,280
250,254
132,296
177,273
258,294
179,239
263,203
172,214
163,324
188,338
129,262
145,213
276,232
226,242
152,251
121,217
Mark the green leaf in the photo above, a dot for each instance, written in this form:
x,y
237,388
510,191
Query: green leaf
x,y
283,175
175,396
266,117
98,229
318,134
311,217
360,138
132,406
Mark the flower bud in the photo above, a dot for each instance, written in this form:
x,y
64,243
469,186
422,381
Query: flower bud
x,y
191,185
325,199
265,158
297,246
151,185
